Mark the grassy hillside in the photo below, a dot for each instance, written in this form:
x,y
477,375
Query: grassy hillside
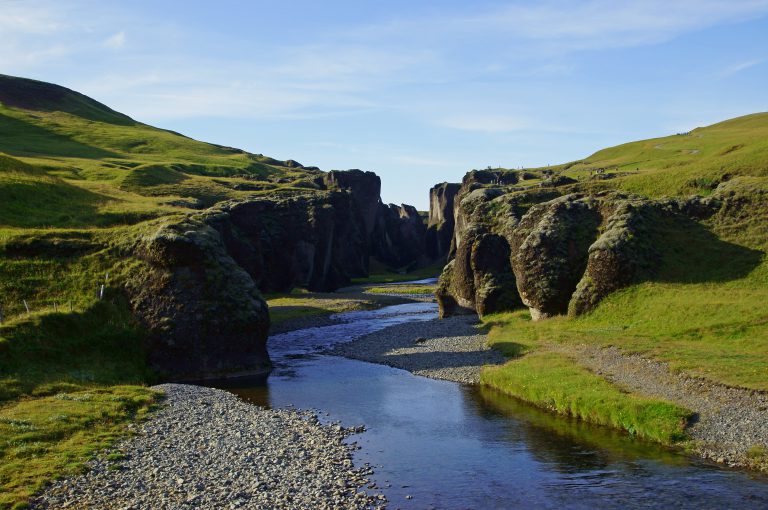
x,y
78,182
683,164
705,312
100,168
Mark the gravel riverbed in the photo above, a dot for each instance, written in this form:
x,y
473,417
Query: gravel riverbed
x,y
206,448
450,349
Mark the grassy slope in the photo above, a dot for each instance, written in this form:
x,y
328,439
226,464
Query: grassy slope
x,y
77,180
704,313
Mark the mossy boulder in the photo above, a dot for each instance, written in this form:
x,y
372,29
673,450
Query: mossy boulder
x,y
549,252
203,313
480,278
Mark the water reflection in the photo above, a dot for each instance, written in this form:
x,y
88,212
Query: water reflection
x,y
452,446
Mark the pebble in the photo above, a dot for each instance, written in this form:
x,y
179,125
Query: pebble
x,y
450,349
206,448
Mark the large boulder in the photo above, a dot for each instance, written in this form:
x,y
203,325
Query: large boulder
x,y
480,278
203,313
549,252
623,254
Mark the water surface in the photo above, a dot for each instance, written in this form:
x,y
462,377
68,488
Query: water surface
x,y
453,447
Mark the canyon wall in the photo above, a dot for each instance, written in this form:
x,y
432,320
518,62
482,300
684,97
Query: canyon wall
x,y
555,246
197,289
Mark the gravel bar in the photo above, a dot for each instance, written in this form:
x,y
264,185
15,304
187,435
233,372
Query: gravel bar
x,y
731,426
450,349
206,448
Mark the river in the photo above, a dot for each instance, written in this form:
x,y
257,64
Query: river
x,y
449,446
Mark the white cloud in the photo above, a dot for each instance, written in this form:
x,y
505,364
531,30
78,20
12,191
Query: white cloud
x,y
116,41
485,123
739,67
562,27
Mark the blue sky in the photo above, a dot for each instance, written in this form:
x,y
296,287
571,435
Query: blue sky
x,y
419,92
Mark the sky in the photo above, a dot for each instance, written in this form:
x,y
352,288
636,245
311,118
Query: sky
x,y
418,91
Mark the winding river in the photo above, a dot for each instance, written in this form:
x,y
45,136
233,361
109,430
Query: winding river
x,y
448,446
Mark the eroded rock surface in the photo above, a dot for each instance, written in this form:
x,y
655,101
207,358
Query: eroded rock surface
x,y
566,247
441,222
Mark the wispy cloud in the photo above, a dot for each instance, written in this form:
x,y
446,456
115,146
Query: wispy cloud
x,y
116,41
485,123
739,67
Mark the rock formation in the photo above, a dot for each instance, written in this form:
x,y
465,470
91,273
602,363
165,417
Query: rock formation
x,y
554,247
197,288
399,236
440,225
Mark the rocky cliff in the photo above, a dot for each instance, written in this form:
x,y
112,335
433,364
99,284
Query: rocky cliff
x,y
558,247
399,236
441,221
198,287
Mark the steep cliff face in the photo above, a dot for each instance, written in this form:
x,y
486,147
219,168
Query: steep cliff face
x,y
557,248
395,235
197,290
366,191
399,236
441,222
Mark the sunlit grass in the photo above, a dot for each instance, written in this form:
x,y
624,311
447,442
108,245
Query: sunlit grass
x,y
554,382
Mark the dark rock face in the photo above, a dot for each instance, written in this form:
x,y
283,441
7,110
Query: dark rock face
x,y
395,234
480,278
550,252
441,222
365,188
399,236
197,288
204,314
316,241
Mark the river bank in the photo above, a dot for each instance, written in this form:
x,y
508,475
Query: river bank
x,y
729,425
206,448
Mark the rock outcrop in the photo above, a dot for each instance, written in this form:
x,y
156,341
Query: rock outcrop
x,y
441,222
552,247
399,236
480,278
203,313
197,283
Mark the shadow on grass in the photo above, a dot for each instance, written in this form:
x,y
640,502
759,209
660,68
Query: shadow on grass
x,y
693,254
19,138
53,352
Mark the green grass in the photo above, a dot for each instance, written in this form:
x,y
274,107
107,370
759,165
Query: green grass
x,y
380,274
552,381
46,437
69,383
284,307
68,161
401,289
683,164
